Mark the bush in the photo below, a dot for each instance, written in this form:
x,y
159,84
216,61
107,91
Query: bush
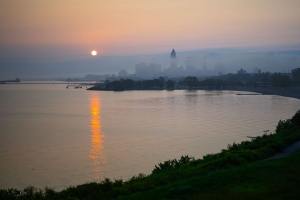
x,y
172,164
296,119
289,123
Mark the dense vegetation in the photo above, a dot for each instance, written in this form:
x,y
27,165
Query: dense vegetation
x,y
296,75
248,80
226,172
271,179
217,82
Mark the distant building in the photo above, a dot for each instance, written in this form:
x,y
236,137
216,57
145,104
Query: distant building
x,y
173,70
189,63
145,71
220,69
93,77
122,73
111,77
241,71
204,63
173,61
256,70
190,69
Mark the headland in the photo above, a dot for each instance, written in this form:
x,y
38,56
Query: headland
x,y
292,92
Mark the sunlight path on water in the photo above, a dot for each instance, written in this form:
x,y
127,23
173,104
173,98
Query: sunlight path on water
x,y
57,137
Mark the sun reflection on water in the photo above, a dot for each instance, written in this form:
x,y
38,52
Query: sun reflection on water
x,y
96,153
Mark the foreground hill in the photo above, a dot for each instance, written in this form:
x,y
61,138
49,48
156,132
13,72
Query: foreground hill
x,y
271,179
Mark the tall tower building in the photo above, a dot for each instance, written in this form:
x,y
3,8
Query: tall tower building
x,y
204,63
173,62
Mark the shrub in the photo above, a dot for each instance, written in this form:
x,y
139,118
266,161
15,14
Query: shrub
x,y
296,119
289,123
284,124
172,164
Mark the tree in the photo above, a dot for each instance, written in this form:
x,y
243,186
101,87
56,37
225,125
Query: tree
x,y
296,75
162,79
279,80
117,86
159,83
234,82
148,84
128,84
191,81
170,84
107,84
263,77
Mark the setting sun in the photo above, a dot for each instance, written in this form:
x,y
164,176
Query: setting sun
x,y
94,53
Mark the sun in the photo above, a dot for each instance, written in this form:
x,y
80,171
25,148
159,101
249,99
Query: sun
x,y
94,53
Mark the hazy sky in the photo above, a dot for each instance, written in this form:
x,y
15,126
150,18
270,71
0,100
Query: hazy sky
x,y
67,30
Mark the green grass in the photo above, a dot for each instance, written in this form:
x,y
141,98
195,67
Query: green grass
x,y
238,172
270,179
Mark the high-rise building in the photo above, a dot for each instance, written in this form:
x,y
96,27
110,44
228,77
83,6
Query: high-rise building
x,y
173,62
204,63
143,70
256,70
220,69
241,71
190,69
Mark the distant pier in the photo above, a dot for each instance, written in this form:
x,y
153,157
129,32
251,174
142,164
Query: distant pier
x,y
250,94
79,85
17,80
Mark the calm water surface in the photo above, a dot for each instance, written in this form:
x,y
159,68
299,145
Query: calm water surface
x,y
57,137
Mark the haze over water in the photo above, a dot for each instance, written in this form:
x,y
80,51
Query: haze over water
x,y
51,136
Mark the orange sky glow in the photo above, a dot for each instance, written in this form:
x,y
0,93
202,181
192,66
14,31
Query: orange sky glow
x,y
139,26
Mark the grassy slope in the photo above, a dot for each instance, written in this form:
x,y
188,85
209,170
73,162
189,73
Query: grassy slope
x,y
271,179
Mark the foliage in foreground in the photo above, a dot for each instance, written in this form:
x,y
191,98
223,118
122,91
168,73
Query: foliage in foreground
x,y
287,132
270,179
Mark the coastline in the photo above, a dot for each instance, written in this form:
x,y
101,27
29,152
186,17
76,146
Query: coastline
x,y
292,92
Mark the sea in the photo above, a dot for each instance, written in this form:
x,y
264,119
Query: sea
x,y
51,136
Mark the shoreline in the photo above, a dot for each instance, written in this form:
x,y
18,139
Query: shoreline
x,y
292,92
